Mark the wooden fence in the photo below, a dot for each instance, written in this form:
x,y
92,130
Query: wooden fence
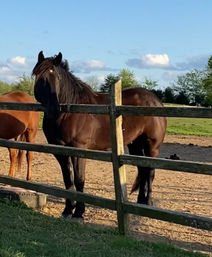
x,y
118,158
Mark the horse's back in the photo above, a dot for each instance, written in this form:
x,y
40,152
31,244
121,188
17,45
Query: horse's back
x,y
140,97
17,96
153,127
16,122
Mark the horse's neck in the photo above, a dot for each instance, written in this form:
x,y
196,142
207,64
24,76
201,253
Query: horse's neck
x,y
77,94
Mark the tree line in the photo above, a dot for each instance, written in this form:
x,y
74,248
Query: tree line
x,y
25,84
192,88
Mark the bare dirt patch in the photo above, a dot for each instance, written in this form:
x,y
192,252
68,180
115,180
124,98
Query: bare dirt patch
x,y
178,191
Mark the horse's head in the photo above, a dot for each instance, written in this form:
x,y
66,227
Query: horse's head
x,y
47,81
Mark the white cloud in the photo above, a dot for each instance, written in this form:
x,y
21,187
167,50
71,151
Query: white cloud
x,y
156,60
95,64
162,61
193,62
4,69
150,61
14,68
18,60
89,66
101,78
170,75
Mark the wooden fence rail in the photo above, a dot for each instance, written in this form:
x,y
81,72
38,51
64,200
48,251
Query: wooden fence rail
x,y
119,110
119,159
128,207
160,163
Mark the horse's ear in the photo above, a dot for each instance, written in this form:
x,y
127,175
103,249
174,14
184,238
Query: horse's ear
x,y
40,57
58,59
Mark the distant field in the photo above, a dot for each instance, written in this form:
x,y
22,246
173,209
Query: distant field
x,y
189,126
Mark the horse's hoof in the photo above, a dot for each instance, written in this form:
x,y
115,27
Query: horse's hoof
x,y
78,220
151,203
66,214
146,202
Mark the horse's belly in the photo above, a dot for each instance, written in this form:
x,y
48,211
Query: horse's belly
x,y
10,126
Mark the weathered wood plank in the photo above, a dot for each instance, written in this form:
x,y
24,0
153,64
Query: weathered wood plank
x,y
141,210
165,111
185,166
168,215
175,165
57,149
59,192
22,106
119,172
120,110
85,108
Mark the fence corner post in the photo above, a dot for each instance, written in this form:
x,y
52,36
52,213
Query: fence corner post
x,y
118,149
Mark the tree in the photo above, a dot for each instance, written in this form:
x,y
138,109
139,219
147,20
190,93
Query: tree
x,y
128,78
149,84
109,81
4,87
207,83
93,82
168,95
158,92
25,84
191,86
182,98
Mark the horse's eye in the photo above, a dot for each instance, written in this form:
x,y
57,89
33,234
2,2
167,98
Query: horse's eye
x,y
51,71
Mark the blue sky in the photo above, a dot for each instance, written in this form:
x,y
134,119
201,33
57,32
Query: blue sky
x,y
155,39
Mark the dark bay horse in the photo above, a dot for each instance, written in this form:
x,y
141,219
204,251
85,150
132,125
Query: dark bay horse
x,y
54,85
18,125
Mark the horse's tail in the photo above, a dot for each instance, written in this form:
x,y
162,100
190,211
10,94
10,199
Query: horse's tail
x,y
22,138
136,184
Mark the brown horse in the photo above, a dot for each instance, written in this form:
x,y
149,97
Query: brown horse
x,y
54,85
18,125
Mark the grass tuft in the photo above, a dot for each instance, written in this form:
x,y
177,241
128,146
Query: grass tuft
x,y
25,233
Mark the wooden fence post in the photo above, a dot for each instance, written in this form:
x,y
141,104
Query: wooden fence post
x,y
118,149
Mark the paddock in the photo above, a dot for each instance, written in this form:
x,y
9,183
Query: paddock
x,y
186,184
193,195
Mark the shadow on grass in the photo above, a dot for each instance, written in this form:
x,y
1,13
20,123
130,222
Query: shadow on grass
x,y
24,232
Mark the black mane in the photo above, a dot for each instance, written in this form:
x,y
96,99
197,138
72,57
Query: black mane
x,y
48,63
72,89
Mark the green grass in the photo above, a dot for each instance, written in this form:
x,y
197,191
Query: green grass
x,y
188,126
25,233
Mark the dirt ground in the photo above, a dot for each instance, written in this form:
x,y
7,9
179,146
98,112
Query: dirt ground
x,y
178,191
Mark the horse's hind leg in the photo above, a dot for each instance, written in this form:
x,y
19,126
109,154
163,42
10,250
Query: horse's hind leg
x,y
68,177
151,149
79,181
136,148
13,153
142,146
29,136
29,157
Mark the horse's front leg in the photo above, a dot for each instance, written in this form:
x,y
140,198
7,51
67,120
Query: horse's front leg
x,y
68,177
79,181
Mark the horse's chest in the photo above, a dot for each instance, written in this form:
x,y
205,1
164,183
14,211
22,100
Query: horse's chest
x,y
86,131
